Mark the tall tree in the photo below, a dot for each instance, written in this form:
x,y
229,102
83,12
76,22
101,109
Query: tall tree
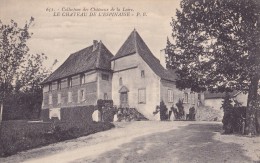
x,y
18,68
216,46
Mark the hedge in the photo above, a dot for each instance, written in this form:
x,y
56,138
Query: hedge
x,y
18,136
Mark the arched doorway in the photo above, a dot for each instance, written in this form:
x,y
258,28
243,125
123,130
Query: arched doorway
x,y
123,92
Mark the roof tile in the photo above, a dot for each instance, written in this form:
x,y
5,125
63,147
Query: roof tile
x,y
82,61
135,44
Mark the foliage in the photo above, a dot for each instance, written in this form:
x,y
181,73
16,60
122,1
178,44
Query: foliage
x,y
101,103
216,47
163,111
228,119
21,72
191,115
32,135
129,114
234,117
23,105
108,114
107,110
179,113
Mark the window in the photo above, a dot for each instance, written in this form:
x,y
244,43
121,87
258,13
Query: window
x,y
141,96
170,95
50,87
69,82
69,97
142,74
120,82
192,97
50,99
59,85
105,96
82,79
59,98
186,98
105,76
81,95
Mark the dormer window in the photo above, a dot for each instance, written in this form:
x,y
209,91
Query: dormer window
x,y
142,74
69,82
82,79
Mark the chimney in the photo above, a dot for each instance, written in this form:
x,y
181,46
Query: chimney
x,y
95,45
162,58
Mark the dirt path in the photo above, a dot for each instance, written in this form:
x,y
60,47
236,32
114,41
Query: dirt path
x,y
150,142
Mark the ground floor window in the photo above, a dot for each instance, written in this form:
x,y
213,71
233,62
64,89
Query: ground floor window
x,y
69,97
193,100
170,95
59,98
141,96
186,98
81,95
50,99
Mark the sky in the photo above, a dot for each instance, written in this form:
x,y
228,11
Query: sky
x,y
58,35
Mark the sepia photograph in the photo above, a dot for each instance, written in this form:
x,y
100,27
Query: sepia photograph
x,y
119,81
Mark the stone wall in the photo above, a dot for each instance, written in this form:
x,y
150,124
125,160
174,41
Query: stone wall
x,y
70,114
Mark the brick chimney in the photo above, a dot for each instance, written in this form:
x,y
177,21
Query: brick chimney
x,y
95,45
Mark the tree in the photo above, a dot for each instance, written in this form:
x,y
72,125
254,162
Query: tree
x,y
216,47
20,71
228,118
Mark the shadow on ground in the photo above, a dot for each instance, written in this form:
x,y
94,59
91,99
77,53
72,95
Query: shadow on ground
x,y
192,143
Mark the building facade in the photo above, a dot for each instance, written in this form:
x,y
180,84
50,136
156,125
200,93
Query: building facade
x,y
132,78
81,80
140,81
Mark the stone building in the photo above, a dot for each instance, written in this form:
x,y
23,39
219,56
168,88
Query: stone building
x,y
81,80
134,77
140,81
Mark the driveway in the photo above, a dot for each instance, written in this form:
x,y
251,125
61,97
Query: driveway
x,y
150,142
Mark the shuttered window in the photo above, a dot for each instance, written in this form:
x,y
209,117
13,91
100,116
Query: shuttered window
x,y
170,95
186,98
141,96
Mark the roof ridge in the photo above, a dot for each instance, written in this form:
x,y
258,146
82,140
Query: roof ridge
x,y
82,61
98,54
135,42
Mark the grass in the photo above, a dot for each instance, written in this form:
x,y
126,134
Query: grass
x,y
16,136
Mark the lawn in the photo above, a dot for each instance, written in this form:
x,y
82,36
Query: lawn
x,y
16,136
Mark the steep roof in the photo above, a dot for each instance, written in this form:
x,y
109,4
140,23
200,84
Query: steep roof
x,y
135,44
84,60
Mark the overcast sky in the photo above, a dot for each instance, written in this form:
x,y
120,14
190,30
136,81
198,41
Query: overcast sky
x,y
59,36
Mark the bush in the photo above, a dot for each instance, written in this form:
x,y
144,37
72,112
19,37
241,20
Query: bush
x,y
191,115
129,114
178,112
163,111
107,110
19,136
108,114
234,117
